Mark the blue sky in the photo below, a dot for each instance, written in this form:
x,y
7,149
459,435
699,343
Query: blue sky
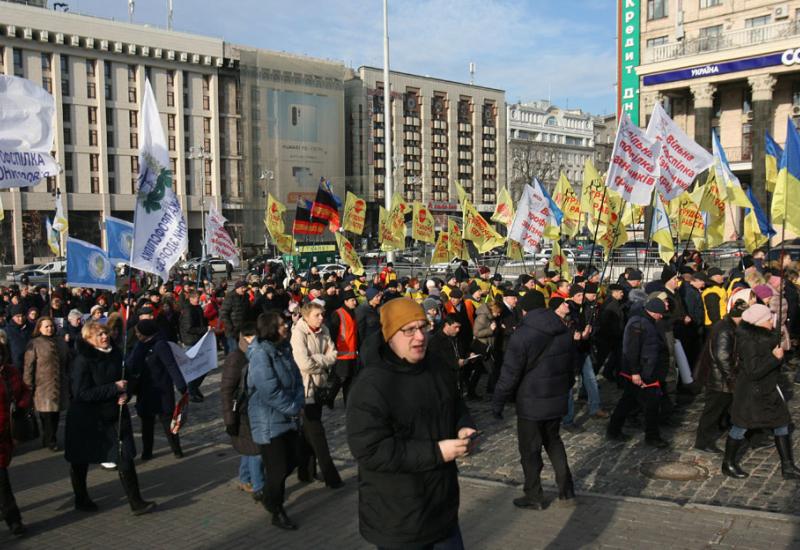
x,y
530,48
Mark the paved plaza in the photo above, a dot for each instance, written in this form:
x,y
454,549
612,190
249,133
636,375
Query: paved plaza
x,y
619,505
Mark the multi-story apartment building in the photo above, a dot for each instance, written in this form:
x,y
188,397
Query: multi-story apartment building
x,y
442,132
728,66
545,140
238,122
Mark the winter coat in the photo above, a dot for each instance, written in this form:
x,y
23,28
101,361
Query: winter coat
x,y
193,325
610,324
232,369
397,412
368,320
644,349
716,368
18,337
234,312
10,385
757,401
275,390
445,350
314,353
158,375
538,367
91,430
482,330
46,361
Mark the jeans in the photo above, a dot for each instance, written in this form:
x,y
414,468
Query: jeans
x,y
231,344
251,470
738,433
593,392
453,541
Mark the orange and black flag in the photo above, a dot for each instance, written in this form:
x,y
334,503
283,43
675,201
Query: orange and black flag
x,y
325,206
304,223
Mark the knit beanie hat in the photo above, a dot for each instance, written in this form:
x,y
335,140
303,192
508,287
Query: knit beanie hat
x,y
756,314
763,292
397,313
533,299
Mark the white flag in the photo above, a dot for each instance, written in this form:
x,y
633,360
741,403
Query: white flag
x,y
160,233
26,133
530,219
633,169
218,241
197,360
60,220
680,159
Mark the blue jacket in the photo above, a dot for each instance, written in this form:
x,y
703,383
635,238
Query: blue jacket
x,y
275,389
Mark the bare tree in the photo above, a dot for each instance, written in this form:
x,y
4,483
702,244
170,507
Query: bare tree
x,y
529,159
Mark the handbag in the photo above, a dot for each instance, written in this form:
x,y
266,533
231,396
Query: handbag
x,y
24,426
325,393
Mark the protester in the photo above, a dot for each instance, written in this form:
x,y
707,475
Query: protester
x,y
193,326
406,426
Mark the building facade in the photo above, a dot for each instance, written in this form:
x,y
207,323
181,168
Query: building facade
x,y
442,132
728,66
545,140
238,122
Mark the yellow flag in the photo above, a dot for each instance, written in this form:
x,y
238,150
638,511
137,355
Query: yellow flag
x,y
462,194
514,251
273,217
285,243
392,234
399,202
441,253
632,214
558,261
566,199
349,255
355,211
753,238
615,236
422,225
785,204
601,205
455,242
479,231
592,182
504,209
690,219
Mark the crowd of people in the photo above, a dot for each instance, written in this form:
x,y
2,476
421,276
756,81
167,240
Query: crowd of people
x,y
407,355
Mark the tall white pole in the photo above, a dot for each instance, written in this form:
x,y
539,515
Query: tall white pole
x,y
387,118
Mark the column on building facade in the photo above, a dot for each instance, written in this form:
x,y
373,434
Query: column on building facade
x,y
649,99
703,94
761,87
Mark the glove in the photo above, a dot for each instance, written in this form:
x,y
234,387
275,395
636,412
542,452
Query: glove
x,y
232,430
497,414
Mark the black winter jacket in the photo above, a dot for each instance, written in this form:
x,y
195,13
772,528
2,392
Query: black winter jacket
x,y
716,368
193,324
538,367
397,412
235,311
757,401
644,349
158,374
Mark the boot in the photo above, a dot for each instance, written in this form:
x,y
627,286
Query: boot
x,y
77,475
788,467
130,482
175,445
730,465
14,521
281,520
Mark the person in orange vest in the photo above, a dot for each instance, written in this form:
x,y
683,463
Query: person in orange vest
x,y
464,311
344,331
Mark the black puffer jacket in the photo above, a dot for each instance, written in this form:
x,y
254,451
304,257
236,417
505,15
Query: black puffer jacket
x,y
397,412
644,349
235,311
757,401
538,367
716,368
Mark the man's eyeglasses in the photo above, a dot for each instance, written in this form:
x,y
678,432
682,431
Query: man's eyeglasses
x,y
411,331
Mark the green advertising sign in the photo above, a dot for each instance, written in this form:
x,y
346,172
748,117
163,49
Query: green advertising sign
x,y
629,13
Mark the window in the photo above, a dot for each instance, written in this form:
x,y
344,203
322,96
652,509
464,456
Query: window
x,y
111,164
551,121
207,125
66,114
67,136
46,62
95,181
133,119
171,122
69,183
658,41
94,163
64,64
710,3
132,94
108,91
91,68
756,21
93,138
131,73
747,100
134,165
134,138
47,84
18,71
91,90
109,116
65,90
68,162
710,38
107,69
170,98
109,138
656,9
92,115
171,143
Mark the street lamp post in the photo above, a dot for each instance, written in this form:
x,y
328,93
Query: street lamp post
x,y
200,153
266,176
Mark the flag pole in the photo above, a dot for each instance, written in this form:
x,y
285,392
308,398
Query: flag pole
x,y
597,226
646,234
610,259
125,320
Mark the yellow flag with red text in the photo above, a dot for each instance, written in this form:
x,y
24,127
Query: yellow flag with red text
x,y
455,242
566,199
273,217
355,214
504,209
441,252
514,250
422,224
348,254
479,231
392,227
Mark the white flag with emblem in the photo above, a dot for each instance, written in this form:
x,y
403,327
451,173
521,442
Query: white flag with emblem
x,y
218,241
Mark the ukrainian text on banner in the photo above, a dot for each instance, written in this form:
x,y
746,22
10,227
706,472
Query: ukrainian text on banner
x,y
455,243
273,217
529,222
27,114
504,209
441,254
348,254
680,159
355,212
632,170
422,226
479,231
568,202
88,266
218,241
199,359
119,239
160,230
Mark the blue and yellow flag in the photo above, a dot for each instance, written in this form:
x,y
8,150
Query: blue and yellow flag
x,y
757,229
785,209
772,156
